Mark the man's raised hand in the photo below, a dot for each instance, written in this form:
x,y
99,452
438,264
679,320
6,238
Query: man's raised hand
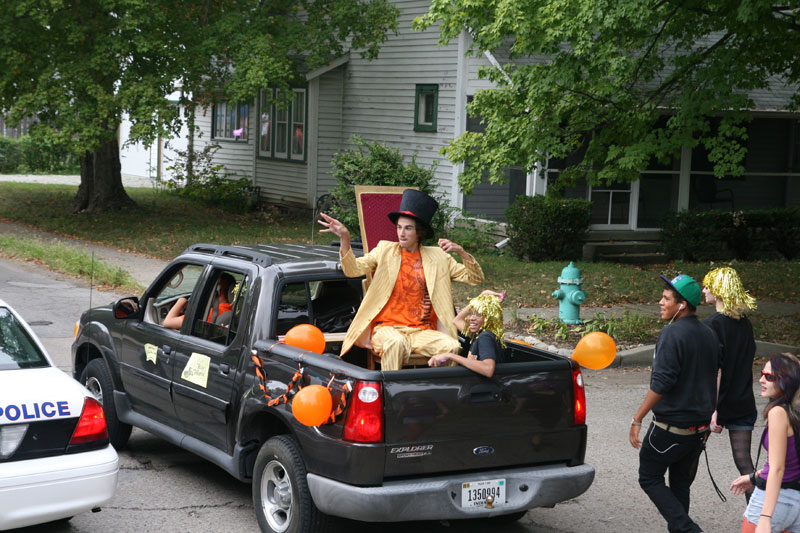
x,y
333,226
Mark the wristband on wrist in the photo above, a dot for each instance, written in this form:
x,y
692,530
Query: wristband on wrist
x,y
767,515
635,423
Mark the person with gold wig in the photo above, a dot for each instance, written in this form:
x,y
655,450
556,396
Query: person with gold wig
x,y
481,321
736,405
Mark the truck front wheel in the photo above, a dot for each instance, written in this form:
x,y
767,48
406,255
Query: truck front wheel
x,y
97,379
280,491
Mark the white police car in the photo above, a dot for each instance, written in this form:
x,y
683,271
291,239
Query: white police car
x,y
55,458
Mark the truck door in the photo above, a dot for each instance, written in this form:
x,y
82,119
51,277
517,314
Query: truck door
x,y
206,363
147,347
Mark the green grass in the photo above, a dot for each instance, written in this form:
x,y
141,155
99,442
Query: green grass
x,y
532,284
163,225
68,260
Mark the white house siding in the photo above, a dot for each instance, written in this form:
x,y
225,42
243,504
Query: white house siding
x,y
151,161
282,182
379,95
329,136
237,156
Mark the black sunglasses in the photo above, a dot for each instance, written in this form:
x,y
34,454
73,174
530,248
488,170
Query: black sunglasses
x,y
769,377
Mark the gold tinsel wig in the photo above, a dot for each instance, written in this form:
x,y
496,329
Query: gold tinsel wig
x,y
725,285
489,308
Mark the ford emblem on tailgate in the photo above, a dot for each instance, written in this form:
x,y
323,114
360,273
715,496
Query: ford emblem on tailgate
x,y
483,450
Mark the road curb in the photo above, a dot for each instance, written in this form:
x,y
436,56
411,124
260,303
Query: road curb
x,y
643,355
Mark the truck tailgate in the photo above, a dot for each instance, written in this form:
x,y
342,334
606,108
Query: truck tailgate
x,y
450,420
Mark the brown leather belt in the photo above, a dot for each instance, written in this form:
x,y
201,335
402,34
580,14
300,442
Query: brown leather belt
x,y
693,430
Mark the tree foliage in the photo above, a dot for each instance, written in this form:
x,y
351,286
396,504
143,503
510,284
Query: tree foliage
x,y
80,65
615,84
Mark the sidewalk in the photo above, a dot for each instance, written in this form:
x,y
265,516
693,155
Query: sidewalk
x,y
144,270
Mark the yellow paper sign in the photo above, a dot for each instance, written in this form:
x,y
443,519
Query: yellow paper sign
x,y
151,353
196,369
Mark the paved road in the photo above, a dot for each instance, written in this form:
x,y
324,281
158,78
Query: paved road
x,y
163,488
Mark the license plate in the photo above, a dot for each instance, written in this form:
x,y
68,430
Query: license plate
x,y
489,493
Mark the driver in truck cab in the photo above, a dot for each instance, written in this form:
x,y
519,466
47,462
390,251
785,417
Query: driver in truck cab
x,y
174,318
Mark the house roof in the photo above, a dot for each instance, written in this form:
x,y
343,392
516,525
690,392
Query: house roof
x,y
332,64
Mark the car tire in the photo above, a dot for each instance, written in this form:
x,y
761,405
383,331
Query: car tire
x,y
97,379
281,498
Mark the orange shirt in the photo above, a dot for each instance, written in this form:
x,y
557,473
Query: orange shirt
x,y
409,305
222,309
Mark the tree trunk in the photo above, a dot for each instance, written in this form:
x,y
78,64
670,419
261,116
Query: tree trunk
x,y
101,181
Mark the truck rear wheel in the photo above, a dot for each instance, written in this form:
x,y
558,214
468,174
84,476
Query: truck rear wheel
x,y
281,498
97,379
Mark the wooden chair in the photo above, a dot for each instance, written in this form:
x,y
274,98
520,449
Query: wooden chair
x,y
374,203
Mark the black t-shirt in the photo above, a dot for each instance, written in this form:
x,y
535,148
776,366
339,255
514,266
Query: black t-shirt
x,y
685,373
485,346
738,349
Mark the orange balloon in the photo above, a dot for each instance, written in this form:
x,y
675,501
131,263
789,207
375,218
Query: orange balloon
x,y
595,350
307,337
312,405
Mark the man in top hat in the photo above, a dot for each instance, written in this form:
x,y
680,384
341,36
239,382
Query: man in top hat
x,y
682,396
408,307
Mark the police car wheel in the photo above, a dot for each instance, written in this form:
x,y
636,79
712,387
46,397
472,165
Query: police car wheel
x,y
281,498
97,379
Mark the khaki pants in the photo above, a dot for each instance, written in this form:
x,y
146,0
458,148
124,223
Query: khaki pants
x,y
395,344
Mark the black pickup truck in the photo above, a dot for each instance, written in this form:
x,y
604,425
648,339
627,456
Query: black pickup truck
x,y
412,444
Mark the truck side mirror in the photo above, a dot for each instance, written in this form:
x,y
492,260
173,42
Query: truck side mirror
x,y
126,307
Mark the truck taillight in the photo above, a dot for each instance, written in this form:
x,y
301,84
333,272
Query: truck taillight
x,y
92,424
364,421
578,392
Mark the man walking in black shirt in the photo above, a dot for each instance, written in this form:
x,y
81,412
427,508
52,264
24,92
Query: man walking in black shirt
x,y
682,397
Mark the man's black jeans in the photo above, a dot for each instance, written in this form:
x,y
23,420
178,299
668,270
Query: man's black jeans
x,y
662,451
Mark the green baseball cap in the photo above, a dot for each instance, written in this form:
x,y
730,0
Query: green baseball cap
x,y
686,287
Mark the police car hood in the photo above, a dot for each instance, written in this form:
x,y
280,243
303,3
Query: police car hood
x,y
29,395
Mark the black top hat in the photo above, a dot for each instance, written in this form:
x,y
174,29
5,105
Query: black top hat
x,y
419,206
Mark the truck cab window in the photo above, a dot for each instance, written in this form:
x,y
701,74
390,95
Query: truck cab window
x,y
328,304
179,283
293,307
213,318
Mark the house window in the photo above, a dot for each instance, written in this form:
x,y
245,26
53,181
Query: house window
x,y
426,104
230,121
282,132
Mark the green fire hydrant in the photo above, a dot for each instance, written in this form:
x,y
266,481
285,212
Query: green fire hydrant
x,y
570,296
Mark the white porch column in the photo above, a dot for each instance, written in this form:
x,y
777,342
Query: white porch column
x,y
460,124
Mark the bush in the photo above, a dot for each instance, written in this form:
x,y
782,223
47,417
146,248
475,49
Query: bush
x,y
723,235
208,183
10,155
374,163
39,154
544,228
47,154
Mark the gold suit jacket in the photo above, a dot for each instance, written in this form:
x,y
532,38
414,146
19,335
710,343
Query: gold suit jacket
x,y
384,260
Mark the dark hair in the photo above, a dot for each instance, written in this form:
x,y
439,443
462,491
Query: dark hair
x,y
226,280
679,298
786,369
